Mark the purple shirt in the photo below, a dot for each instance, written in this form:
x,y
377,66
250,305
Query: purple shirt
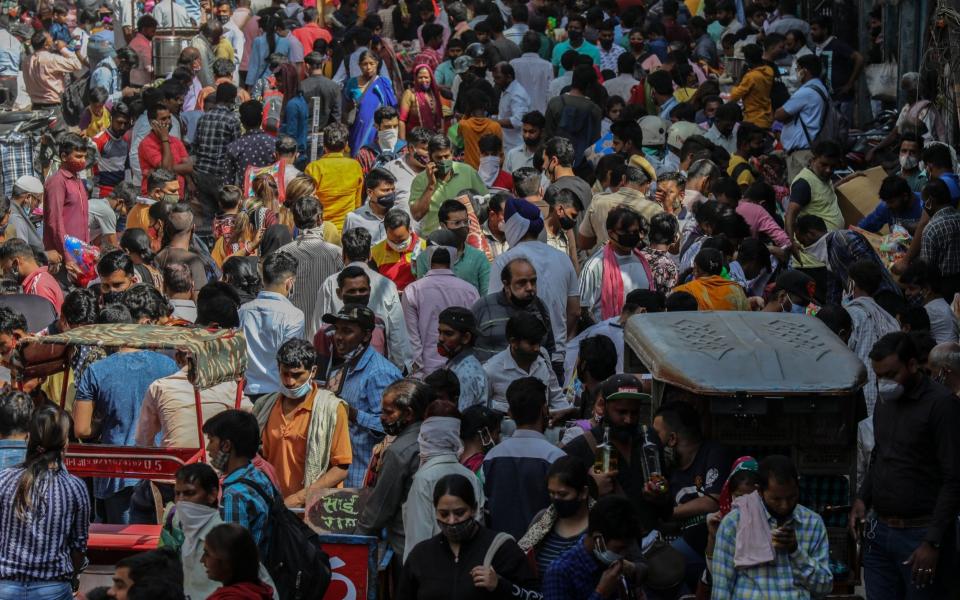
x,y
65,210
423,301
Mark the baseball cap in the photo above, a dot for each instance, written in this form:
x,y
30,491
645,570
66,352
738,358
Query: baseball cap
x,y
459,318
797,283
28,184
352,313
623,386
654,130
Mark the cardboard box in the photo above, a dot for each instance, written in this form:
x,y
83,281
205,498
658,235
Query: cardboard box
x,y
859,196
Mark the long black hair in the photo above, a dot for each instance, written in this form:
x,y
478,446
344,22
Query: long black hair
x,y
49,431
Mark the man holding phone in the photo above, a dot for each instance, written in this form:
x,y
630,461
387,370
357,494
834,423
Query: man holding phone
x,y
798,542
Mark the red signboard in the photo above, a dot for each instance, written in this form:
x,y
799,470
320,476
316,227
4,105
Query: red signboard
x,y
353,562
96,460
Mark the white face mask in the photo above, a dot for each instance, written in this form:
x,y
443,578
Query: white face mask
x,y
489,169
908,162
401,247
387,138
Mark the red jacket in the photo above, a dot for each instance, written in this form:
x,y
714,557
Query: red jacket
x,y
243,591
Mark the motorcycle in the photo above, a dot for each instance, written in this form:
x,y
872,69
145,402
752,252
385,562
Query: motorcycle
x,y
862,140
27,144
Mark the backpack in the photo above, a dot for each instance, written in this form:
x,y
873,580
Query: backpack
x,y
833,126
299,567
574,124
745,166
76,97
272,107
779,94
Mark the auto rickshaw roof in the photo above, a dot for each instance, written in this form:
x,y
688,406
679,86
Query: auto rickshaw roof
x,y
214,356
753,353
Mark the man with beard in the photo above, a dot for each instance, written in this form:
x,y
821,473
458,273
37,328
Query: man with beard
x,y
519,294
696,470
609,52
17,261
798,563
531,130
470,264
620,401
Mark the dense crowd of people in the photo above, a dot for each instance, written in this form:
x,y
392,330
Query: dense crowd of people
x,y
432,222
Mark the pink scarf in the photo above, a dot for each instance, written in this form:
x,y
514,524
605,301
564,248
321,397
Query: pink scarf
x,y
611,284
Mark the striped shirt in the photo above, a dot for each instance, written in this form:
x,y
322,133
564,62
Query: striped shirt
x,y
552,546
243,505
798,576
317,259
39,547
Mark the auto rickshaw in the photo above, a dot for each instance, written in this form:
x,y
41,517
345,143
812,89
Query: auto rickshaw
x,y
765,383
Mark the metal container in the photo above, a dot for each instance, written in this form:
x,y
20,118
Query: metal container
x,y
734,67
166,50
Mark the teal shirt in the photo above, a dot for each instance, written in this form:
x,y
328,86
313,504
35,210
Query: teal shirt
x,y
473,267
445,74
464,178
585,48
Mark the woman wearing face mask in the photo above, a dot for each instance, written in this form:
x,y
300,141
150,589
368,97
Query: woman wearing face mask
x,y
363,95
560,526
422,105
480,431
451,564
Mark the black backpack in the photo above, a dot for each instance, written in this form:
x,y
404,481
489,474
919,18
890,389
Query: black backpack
x,y
295,560
76,97
779,94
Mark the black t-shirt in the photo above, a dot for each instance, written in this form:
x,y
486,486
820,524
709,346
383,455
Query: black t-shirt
x,y
629,477
837,55
705,476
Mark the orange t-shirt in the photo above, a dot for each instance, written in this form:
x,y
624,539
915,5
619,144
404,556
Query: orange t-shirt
x,y
285,443
471,130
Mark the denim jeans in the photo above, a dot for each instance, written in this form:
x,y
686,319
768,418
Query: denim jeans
x,y
116,508
885,575
35,590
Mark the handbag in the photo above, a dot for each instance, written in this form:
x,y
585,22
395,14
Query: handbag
x,y
882,80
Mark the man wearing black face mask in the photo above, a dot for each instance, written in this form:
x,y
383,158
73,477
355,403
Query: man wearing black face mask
x,y
696,470
575,26
470,264
353,287
381,197
492,312
562,207
750,139
912,486
626,228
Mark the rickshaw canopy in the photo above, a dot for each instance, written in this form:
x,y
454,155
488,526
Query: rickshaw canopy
x,y
752,353
213,356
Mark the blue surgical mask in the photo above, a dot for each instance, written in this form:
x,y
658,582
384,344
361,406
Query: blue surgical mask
x,y
606,557
798,309
298,392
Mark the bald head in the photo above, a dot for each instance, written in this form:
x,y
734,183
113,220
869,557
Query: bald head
x,y
945,356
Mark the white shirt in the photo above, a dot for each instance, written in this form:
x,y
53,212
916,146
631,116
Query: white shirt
x,y
621,85
404,175
235,36
535,75
384,302
514,103
727,143
943,324
502,370
556,282
556,87
517,158
161,12
122,17
632,273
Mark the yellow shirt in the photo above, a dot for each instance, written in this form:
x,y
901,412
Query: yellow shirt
x,y
754,89
684,94
98,123
745,177
339,180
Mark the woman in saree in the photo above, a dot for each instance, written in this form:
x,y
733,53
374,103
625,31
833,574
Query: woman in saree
x,y
421,106
363,96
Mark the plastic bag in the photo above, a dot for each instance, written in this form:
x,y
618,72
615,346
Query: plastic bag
x,y
882,80
85,256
